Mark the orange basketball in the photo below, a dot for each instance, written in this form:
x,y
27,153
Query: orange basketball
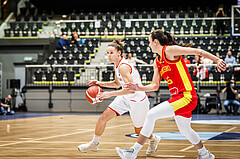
x,y
91,94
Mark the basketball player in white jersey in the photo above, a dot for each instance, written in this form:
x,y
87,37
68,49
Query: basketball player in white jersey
x,y
126,100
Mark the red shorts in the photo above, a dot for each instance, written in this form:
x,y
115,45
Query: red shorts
x,y
184,103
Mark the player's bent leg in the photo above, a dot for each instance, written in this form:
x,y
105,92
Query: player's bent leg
x,y
107,115
184,126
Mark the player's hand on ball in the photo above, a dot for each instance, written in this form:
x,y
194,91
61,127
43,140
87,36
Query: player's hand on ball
x,y
93,83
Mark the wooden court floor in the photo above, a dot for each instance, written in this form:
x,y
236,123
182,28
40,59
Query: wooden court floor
x,y
58,137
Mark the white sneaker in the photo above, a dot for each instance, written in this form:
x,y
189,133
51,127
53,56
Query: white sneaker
x,y
126,153
88,146
153,144
208,155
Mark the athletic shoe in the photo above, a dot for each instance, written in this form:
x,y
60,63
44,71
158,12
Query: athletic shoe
x,y
153,144
208,155
88,146
126,153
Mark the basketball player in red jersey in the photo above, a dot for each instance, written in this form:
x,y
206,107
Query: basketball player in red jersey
x,y
170,65
135,102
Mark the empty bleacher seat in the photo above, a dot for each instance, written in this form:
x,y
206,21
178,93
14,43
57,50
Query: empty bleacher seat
x,y
38,77
106,75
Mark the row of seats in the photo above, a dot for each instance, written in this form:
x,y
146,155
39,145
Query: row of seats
x,y
55,77
156,23
35,17
23,29
140,49
145,27
81,60
131,31
63,76
145,15
75,54
30,13
146,74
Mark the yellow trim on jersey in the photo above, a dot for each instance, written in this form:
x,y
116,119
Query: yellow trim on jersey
x,y
187,94
182,102
184,76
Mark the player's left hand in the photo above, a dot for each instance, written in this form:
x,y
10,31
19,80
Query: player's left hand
x,y
221,65
103,95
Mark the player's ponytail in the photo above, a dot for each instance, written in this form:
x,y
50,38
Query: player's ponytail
x,y
117,44
165,38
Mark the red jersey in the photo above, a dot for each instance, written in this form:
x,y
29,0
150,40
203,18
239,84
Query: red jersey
x,y
180,84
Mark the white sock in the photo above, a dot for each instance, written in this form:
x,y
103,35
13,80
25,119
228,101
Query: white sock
x,y
137,147
96,139
202,151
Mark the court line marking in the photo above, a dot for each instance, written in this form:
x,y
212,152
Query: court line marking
x,y
25,138
102,149
230,129
61,135
189,147
114,143
173,156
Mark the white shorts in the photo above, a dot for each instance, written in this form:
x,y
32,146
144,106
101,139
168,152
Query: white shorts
x,y
137,110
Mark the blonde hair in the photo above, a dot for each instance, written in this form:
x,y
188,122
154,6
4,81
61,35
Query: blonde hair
x,y
117,44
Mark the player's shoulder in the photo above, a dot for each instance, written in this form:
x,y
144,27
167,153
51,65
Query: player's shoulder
x,y
124,68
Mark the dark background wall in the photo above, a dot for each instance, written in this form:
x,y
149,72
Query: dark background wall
x,y
14,50
69,6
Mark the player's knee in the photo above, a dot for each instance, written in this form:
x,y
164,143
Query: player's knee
x,y
102,118
151,115
184,131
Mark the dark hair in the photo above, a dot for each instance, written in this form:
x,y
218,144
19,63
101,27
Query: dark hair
x,y
117,44
165,38
220,6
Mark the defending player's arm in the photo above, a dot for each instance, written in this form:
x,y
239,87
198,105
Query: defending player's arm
x,y
125,71
175,50
151,87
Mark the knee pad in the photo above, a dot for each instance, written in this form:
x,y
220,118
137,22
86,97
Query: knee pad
x,y
150,115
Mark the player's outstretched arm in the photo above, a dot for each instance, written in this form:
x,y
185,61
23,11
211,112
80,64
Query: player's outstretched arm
x,y
178,50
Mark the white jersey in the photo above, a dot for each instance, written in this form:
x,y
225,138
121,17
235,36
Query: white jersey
x,y
138,95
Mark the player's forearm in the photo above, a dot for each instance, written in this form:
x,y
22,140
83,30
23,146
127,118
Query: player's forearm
x,y
111,84
207,55
121,92
149,88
